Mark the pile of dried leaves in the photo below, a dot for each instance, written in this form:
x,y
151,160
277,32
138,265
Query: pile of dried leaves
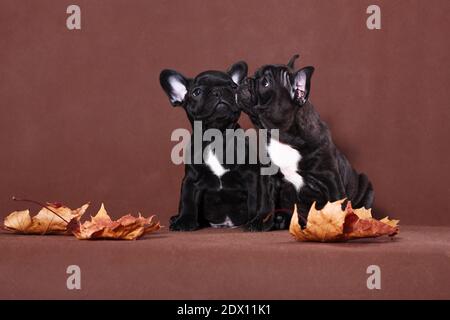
x,y
102,227
332,223
56,218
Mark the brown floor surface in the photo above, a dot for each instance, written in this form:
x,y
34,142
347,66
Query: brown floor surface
x,y
226,264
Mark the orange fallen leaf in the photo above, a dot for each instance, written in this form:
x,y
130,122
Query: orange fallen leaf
x,y
101,226
322,225
53,218
392,223
332,223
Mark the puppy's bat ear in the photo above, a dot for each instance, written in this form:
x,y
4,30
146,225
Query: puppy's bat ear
x,y
175,85
291,63
301,85
238,71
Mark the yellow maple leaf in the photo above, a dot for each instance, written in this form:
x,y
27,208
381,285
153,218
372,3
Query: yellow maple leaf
x,y
101,226
332,223
51,219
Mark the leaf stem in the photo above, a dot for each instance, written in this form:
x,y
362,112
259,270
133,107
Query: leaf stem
x,y
42,205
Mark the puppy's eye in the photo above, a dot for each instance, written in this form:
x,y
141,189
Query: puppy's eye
x,y
265,83
196,92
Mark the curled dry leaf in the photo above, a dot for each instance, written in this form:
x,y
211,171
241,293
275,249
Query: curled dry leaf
x,y
322,225
332,223
51,219
101,226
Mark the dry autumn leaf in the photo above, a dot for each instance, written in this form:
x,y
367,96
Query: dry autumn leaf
x,y
101,226
53,218
332,223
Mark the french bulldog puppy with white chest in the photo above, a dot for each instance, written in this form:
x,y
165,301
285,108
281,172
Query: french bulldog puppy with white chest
x,y
213,192
277,97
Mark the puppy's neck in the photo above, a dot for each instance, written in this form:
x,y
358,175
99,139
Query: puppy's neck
x,y
199,136
307,130
306,117
231,126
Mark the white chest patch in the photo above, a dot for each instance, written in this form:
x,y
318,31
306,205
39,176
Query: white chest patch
x,y
287,158
213,163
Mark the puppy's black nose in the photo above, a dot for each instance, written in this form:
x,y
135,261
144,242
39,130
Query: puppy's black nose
x,y
248,83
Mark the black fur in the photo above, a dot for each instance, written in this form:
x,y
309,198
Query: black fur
x,y
241,194
276,98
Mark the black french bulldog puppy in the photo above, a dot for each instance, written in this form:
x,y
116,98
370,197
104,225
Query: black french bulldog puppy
x,y
277,97
214,193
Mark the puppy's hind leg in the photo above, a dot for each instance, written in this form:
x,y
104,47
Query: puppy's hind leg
x,y
261,199
187,218
285,195
365,194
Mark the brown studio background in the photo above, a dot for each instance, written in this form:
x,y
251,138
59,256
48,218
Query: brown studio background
x,y
82,116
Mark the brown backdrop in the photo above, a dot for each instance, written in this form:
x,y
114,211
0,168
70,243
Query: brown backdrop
x,y
82,116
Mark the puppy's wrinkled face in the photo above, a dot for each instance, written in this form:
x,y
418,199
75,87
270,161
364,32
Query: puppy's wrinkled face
x,y
273,95
210,97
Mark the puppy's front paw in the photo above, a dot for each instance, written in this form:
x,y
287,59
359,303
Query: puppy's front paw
x,y
282,220
173,218
180,223
259,224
